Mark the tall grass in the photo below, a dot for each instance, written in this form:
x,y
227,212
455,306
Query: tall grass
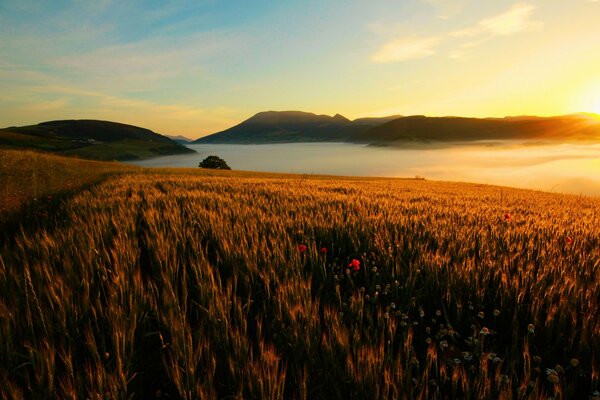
x,y
193,287
29,177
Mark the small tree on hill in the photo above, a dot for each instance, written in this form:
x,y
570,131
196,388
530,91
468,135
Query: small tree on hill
x,y
213,162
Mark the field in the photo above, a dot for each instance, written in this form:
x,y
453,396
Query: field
x,y
183,284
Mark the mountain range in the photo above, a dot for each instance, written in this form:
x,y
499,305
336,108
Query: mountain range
x,y
297,126
104,140
293,126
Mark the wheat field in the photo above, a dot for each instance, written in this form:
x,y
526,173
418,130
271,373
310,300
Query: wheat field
x,y
173,285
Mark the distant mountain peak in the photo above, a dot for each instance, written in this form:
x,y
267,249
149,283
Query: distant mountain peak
x,y
340,117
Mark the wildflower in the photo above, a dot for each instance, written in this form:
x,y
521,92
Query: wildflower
x,y
552,376
569,240
574,362
323,250
484,331
49,197
496,312
507,217
480,314
302,248
531,328
354,264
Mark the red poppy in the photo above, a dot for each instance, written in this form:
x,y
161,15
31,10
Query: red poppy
x,y
49,197
323,250
355,264
507,217
569,240
302,248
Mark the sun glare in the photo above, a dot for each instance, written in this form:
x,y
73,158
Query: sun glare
x,y
589,99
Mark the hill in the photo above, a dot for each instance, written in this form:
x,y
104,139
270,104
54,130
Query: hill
x,y
451,129
193,284
100,140
292,126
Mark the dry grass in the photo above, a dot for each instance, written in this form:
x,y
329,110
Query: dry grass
x,y
179,286
29,176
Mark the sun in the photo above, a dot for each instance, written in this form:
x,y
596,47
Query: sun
x,y
588,98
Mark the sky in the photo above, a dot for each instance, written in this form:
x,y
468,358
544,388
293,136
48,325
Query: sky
x,y
197,67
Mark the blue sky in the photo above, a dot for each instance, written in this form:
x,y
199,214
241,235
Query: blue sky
x,y
196,67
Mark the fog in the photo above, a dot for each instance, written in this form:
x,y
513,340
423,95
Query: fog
x,y
561,168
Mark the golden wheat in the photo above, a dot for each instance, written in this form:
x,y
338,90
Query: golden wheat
x,y
179,286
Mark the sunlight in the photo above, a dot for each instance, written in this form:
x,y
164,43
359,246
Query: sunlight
x,y
589,99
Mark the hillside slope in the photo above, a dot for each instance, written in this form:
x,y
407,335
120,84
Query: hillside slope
x,y
101,140
449,129
292,126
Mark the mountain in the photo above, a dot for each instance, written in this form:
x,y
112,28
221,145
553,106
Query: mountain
x,y
180,139
101,140
292,126
419,128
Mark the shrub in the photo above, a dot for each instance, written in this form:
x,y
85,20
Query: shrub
x,y
213,162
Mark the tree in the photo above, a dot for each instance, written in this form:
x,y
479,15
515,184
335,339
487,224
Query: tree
x,y
213,162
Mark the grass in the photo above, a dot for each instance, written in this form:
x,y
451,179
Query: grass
x,y
29,177
194,284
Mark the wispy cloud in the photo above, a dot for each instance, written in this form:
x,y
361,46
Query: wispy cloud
x,y
405,49
514,20
147,62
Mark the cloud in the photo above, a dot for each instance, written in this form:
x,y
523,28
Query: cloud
x,y
405,49
514,20
142,64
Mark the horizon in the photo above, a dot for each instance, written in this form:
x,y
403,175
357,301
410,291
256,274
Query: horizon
x,y
195,69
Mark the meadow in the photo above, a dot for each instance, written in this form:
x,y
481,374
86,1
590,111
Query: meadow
x,y
200,285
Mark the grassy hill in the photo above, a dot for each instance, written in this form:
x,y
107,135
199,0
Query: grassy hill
x,y
192,284
100,140
292,126
451,129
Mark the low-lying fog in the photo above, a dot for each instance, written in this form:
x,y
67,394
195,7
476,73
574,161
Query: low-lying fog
x,y
562,168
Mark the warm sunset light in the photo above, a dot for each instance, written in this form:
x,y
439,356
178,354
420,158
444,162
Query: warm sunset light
x,y
195,68
590,96
300,199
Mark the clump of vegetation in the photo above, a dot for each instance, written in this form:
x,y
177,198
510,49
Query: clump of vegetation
x,y
169,286
213,162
